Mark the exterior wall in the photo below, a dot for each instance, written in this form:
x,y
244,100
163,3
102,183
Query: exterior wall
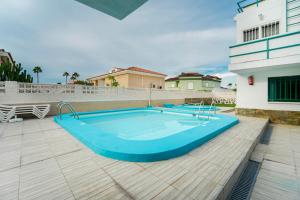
x,y
142,81
275,116
171,85
256,96
98,82
184,84
198,85
271,11
121,79
210,85
129,80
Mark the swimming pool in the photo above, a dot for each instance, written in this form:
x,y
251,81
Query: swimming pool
x,y
144,134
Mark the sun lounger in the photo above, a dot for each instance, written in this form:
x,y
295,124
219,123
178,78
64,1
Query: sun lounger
x,y
8,112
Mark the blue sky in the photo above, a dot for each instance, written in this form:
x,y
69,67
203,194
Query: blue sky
x,y
169,36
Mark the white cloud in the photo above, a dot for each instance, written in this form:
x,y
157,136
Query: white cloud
x,y
225,74
170,37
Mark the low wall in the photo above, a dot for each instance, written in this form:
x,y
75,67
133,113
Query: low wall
x,y
90,98
198,100
275,116
107,105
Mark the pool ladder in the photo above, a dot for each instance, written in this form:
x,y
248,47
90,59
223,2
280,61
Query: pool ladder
x,y
199,109
60,106
212,105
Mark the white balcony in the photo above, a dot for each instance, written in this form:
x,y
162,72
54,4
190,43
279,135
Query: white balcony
x,y
281,50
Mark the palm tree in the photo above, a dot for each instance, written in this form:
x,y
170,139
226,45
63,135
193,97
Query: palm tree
x,y
37,70
114,83
13,72
66,74
74,76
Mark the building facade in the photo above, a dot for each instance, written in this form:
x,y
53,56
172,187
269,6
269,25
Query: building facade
x,y
266,59
5,57
132,77
193,81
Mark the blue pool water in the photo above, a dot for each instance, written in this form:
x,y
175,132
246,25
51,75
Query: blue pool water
x,y
144,134
142,124
192,107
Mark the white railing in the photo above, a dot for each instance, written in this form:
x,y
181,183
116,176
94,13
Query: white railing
x,y
224,97
13,93
268,48
29,88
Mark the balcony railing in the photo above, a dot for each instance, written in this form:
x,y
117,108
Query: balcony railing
x,y
245,3
268,48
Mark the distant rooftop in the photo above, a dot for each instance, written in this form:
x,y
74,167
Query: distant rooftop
x,y
115,8
194,75
116,70
139,69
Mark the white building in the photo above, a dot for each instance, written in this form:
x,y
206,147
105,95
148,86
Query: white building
x,y
267,59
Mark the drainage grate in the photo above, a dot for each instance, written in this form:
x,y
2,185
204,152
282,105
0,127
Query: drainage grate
x,y
265,138
243,188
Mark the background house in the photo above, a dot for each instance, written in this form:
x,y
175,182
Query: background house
x,y
5,56
193,81
132,77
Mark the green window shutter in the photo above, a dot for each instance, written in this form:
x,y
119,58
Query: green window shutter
x,y
284,89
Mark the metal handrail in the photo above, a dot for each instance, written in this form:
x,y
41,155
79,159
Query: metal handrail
x,y
199,108
61,104
210,108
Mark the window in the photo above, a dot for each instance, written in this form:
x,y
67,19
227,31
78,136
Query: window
x,y
251,34
284,89
270,29
190,86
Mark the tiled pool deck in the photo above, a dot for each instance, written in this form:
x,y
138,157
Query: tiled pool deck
x,y
40,160
279,175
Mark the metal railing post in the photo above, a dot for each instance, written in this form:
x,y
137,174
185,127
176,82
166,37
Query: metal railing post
x,y
268,48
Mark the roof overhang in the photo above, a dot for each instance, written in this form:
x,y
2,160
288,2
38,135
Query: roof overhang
x,y
115,8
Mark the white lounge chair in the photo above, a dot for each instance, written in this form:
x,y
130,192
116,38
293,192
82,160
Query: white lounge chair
x,y
8,112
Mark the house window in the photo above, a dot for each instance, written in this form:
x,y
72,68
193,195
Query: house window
x,y
190,86
284,89
270,29
251,34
